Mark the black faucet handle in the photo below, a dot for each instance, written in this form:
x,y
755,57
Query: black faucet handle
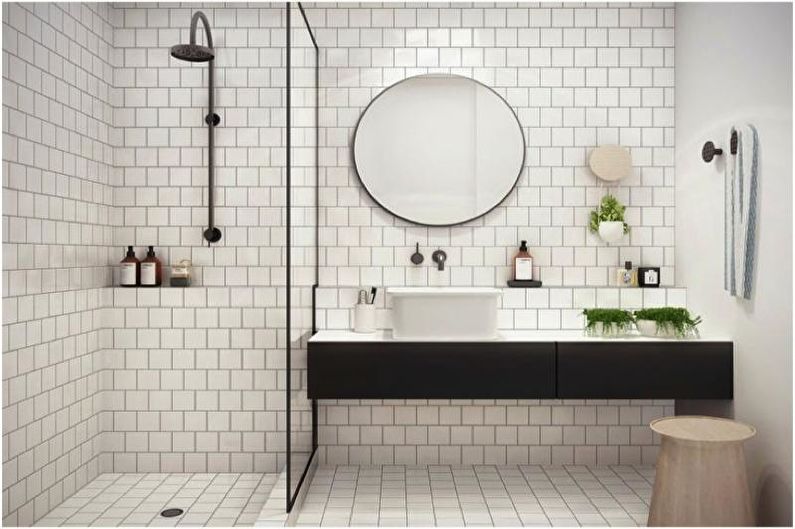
x,y
439,257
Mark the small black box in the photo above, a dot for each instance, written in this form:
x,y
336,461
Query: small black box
x,y
649,276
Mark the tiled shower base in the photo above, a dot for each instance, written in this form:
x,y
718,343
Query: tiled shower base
x,y
480,495
113,500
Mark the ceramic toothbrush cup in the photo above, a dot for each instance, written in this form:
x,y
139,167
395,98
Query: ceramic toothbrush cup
x,y
364,318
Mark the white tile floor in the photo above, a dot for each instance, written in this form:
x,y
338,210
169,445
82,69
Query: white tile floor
x,y
113,500
483,495
395,495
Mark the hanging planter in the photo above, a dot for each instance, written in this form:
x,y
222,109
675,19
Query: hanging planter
x,y
608,220
611,230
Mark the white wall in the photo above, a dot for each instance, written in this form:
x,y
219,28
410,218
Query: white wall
x,y
734,64
57,242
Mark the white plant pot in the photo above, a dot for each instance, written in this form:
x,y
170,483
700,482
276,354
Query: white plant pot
x,y
611,230
649,328
609,331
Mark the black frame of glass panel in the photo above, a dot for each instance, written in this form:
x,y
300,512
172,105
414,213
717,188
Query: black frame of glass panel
x,y
288,244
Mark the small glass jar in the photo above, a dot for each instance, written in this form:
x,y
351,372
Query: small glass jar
x,y
180,273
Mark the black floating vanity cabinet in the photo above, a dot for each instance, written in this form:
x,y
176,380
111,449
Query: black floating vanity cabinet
x,y
645,370
501,369
431,370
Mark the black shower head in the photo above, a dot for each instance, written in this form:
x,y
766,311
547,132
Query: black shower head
x,y
196,52
192,53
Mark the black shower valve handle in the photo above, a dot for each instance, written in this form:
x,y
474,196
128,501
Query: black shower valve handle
x,y
212,119
212,234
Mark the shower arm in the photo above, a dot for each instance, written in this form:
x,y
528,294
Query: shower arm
x,y
194,23
211,234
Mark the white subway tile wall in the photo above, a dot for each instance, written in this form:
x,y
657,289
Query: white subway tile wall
x,y
57,244
161,160
519,308
576,75
495,432
195,380
104,146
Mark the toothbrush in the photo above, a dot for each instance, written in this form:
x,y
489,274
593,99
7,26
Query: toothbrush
x,y
373,290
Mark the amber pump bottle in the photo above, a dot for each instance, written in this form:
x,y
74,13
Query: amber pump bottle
x,y
523,264
151,270
130,270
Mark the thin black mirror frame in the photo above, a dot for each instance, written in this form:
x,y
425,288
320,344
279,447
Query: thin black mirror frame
x,y
420,223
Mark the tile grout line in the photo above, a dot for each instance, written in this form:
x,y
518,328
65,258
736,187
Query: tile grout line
x,y
562,495
248,502
510,496
524,475
93,497
128,489
226,494
613,496
590,501
187,509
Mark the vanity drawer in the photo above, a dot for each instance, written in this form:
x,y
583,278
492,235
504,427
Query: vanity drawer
x,y
645,370
430,370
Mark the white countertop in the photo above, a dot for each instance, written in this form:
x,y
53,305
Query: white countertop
x,y
504,336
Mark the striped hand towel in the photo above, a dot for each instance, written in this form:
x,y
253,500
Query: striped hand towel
x,y
741,179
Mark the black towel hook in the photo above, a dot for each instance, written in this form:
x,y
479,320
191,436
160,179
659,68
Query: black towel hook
x,y
709,151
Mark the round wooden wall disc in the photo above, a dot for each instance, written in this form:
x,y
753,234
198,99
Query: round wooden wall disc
x,y
611,162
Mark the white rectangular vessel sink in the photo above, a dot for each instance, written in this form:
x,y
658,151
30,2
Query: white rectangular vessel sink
x,y
444,313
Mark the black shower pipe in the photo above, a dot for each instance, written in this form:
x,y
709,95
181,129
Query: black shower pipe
x,y
211,234
196,53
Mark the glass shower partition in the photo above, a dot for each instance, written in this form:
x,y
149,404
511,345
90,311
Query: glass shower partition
x,y
301,240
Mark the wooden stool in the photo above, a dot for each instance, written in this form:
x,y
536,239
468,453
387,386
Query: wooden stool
x,y
701,477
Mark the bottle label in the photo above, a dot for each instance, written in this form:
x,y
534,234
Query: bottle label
x,y
524,268
147,273
128,274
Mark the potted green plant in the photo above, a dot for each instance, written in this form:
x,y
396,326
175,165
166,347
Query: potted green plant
x,y
667,322
608,219
607,322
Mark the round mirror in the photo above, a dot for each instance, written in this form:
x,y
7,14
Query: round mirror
x,y
438,150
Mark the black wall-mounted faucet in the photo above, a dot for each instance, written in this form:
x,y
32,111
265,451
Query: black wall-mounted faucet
x,y
417,258
439,257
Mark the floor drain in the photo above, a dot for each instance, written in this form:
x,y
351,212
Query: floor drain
x,y
170,513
